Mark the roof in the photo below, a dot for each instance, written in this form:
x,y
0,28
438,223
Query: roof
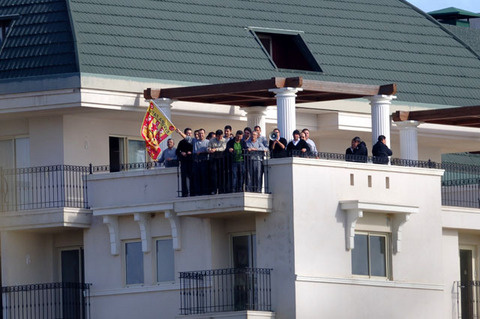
x,y
468,116
453,12
40,41
368,42
258,93
469,36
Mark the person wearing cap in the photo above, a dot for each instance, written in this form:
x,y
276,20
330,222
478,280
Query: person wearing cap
x,y
216,148
297,146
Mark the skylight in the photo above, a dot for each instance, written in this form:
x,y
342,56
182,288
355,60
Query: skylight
x,y
286,49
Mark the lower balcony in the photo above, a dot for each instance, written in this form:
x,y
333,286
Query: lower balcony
x,y
245,292
49,300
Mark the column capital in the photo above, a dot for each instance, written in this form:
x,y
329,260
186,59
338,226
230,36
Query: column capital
x,y
374,99
261,110
407,124
163,102
288,91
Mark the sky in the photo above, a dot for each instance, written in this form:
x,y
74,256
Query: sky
x,y
432,5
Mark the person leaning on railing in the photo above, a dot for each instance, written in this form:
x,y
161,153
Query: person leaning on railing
x,y
357,152
297,146
169,155
256,152
380,151
216,148
235,150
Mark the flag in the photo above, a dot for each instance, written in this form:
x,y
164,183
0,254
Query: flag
x,y
155,128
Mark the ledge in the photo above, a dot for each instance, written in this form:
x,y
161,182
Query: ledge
x,y
224,205
246,314
46,218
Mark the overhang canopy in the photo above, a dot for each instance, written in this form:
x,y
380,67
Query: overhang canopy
x,y
256,93
461,116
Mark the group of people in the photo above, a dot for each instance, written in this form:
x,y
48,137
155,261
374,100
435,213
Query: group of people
x,y
227,162
358,152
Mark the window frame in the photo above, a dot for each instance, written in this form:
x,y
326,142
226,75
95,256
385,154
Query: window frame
x,y
125,263
156,261
387,259
124,159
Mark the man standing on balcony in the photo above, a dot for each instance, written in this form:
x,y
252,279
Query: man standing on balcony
x,y
199,169
235,149
184,155
277,146
169,155
216,148
256,150
262,139
310,142
380,151
297,147
357,152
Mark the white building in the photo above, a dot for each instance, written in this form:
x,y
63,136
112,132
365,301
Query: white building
x,y
329,238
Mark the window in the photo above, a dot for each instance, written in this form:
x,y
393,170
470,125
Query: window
x,y
165,260
126,151
5,23
15,153
133,263
287,49
370,255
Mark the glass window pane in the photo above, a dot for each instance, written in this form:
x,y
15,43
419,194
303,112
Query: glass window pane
x,y
7,156
378,265
22,149
165,260
134,263
360,255
136,151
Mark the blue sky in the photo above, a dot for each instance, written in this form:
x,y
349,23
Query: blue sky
x,y
432,5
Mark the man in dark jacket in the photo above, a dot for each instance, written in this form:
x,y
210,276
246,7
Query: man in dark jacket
x,y
357,152
297,147
184,155
380,151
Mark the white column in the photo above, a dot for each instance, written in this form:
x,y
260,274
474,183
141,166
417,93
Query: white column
x,y
165,104
286,118
408,139
256,115
381,116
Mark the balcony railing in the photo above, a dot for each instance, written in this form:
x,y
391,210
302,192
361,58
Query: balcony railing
x,y
43,187
222,290
468,299
66,185
49,300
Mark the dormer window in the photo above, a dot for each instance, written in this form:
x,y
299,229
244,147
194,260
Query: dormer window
x,y
286,49
5,24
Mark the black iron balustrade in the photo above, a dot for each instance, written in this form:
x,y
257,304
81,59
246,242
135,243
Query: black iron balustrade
x,y
48,300
43,187
468,299
222,290
223,172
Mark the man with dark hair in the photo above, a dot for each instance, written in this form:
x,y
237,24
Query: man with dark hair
x,y
247,133
262,139
277,146
235,149
380,151
228,133
184,155
297,146
357,152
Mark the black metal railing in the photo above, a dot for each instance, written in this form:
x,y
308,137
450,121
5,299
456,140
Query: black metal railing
x,y
49,300
220,290
43,187
222,172
468,299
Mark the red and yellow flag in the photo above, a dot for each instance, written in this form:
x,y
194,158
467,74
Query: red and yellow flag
x,y
155,128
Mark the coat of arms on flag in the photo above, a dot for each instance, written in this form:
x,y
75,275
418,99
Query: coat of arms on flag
x,y
155,128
